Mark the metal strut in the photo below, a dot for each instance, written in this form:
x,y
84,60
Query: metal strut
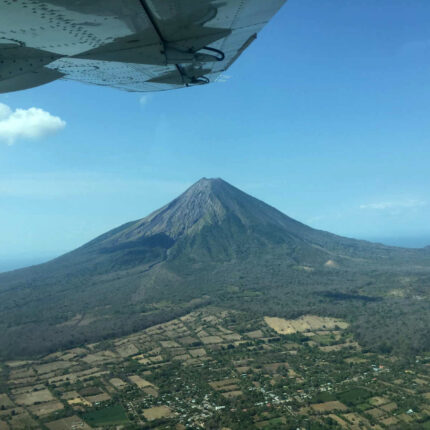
x,y
200,80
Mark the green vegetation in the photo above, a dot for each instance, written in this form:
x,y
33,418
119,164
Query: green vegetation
x,y
355,396
113,415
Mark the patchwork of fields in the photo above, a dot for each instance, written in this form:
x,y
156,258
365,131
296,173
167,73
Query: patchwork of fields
x,y
219,369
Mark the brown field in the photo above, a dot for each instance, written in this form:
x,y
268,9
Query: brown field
x,y
210,319
138,357
378,401
169,344
390,407
26,381
98,398
137,380
218,385
28,399
273,367
118,383
309,334
356,419
329,406
187,340
152,391
80,376
200,331
232,387
52,367
68,395
71,423
339,420
23,422
46,408
200,352
157,412
78,401
78,351
182,357
7,412
232,394
304,323
339,346
28,389
376,413
405,418
5,402
17,363
190,317
237,343
127,350
178,351
207,340
256,334
390,421
22,373
52,357
232,337
100,357
69,356
4,426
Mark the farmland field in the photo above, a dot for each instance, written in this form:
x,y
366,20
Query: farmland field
x,y
114,415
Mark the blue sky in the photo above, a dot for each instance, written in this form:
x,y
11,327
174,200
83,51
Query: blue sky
x,y
326,117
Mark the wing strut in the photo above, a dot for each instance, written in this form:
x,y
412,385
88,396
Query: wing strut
x,y
187,78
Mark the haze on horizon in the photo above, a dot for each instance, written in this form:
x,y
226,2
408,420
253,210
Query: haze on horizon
x,y
325,118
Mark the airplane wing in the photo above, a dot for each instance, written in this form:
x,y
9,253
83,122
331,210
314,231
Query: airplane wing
x,y
133,45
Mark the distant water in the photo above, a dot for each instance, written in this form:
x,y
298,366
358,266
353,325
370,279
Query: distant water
x,y
9,263
404,242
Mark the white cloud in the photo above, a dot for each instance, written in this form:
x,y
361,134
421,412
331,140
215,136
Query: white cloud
x,y
33,123
405,204
5,111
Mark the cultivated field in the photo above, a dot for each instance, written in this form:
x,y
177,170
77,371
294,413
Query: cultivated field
x,y
304,323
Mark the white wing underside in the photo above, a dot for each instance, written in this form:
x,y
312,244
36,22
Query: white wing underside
x,y
133,45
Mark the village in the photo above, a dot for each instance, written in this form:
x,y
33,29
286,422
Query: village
x,y
219,369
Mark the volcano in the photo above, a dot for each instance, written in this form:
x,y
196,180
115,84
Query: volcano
x,y
214,243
